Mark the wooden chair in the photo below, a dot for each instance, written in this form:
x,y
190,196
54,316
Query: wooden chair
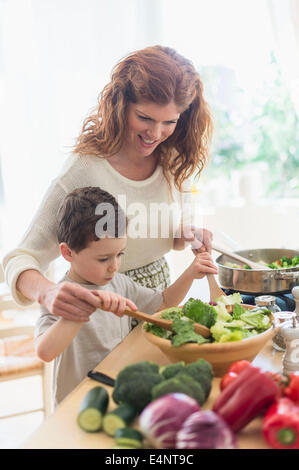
x,y
17,355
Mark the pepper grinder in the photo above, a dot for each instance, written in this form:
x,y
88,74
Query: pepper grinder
x,y
290,333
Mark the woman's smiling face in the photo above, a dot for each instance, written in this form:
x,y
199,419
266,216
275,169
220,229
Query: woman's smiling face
x,y
149,124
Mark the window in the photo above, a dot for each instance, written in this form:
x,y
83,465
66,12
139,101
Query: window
x,y
256,128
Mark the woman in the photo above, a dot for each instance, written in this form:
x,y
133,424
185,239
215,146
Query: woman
x,y
148,135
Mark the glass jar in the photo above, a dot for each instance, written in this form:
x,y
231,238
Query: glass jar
x,y
269,301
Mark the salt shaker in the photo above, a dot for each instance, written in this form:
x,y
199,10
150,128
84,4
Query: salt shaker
x,y
269,301
290,334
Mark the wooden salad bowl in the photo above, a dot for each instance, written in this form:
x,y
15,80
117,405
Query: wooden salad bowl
x,y
219,355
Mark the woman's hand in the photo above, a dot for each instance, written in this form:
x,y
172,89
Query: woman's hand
x,y
74,302
202,265
70,301
200,238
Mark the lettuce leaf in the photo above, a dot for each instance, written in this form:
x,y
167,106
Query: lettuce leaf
x,y
232,299
222,313
200,312
185,333
238,310
256,319
223,332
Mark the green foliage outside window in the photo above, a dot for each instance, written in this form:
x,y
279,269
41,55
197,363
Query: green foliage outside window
x,y
263,128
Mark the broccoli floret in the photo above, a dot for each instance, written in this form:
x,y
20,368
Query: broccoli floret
x,y
143,366
180,384
135,388
202,372
171,370
201,366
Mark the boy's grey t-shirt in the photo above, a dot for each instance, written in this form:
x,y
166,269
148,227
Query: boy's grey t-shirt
x,y
99,336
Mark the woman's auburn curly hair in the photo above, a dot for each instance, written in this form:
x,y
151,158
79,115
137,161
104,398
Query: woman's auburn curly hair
x,y
155,74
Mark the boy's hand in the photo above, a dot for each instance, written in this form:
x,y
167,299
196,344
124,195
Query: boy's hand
x,y
112,302
202,265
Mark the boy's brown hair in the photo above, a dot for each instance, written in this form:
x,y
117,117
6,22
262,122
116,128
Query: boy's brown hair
x,y
89,214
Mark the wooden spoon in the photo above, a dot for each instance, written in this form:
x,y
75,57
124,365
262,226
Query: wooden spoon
x,y
241,259
200,329
215,290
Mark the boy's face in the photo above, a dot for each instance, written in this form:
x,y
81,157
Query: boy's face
x,y
98,262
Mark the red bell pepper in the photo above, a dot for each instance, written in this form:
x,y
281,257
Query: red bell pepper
x,y
227,379
246,397
281,425
292,389
232,372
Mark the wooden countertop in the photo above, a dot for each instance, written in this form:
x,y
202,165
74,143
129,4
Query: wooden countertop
x,y
60,430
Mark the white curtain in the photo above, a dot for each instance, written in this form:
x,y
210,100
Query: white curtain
x,y
285,22
55,57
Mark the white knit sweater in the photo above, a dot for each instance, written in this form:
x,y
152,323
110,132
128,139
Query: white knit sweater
x,y
39,245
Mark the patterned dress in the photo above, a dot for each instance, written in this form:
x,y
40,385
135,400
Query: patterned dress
x,y
154,275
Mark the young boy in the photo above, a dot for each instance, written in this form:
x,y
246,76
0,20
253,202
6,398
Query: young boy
x,y
92,241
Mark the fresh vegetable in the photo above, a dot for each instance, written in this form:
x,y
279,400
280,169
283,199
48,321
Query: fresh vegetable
x,y
92,409
245,397
233,372
134,384
227,379
225,327
205,430
291,391
200,312
162,419
140,383
129,437
185,333
281,425
171,370
201,371
238,366
232,299
172,313
180,384
119,418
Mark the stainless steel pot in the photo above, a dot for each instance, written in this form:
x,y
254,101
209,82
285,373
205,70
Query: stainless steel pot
x,y
249,281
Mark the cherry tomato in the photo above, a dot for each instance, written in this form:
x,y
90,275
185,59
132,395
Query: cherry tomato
x,y
227,379
238,366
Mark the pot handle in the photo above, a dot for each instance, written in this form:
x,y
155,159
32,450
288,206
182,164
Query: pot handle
x,y
280,276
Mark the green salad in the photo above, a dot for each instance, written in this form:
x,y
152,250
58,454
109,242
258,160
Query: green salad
x,y
224,326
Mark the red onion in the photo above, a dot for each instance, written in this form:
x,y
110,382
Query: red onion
x,y
205,430
161,419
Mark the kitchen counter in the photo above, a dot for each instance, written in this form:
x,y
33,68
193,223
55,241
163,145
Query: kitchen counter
x,y
60,430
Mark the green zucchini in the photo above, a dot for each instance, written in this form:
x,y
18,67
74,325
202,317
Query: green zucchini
x,y
128,437
124,447
92,409
118,418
